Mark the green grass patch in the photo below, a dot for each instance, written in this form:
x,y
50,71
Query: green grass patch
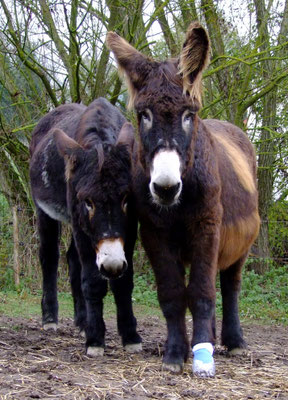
x,y
264,298
25,304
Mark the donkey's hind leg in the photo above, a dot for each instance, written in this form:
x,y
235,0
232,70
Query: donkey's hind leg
x,y
232,336
75,281
49,232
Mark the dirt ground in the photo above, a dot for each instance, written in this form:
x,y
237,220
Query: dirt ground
x,y
38,365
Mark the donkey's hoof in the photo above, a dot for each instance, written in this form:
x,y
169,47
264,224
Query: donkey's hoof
x,y
82,334
133,348
203,362
174,368
93,351
238,351
203,370
50,326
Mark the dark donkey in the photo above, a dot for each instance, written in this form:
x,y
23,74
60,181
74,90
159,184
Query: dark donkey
x,y
197,198
80,174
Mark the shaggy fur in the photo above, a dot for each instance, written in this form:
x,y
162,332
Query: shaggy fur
x,y
80,173
215,221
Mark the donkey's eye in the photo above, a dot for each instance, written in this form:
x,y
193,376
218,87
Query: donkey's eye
x,y
187,119
124,205
146,117
89,205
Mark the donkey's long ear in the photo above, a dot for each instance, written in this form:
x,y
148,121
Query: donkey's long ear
x,y
70,150
126,136
66,146
194,59
132,64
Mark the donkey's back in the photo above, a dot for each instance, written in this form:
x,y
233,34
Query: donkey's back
x,y
100,122
47,167
65,117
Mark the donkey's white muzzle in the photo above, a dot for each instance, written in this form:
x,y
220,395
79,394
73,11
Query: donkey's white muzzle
x,y
165,184
110,258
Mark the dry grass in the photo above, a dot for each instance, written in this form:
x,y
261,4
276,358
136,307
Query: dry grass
x,y
40,365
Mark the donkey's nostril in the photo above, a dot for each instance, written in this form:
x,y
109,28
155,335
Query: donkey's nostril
x,y
167,193
113,271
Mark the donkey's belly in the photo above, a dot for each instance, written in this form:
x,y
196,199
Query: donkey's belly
x,y
54,210
236,239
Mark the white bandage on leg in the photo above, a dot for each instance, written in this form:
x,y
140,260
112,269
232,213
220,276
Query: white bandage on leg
x,y
203,362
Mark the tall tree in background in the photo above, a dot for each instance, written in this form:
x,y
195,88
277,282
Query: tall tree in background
x,y
52,52
266,147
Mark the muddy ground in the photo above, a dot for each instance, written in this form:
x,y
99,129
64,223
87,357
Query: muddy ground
x,y
38,365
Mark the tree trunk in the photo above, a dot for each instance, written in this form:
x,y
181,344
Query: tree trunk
x,y
188,12
218,49
167,33
266,149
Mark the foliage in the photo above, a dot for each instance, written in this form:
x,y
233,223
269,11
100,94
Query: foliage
x,y
278,231
263,298
145,290
27,304
54,52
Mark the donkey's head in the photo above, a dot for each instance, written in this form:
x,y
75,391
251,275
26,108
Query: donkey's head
x,y
166,96
99,180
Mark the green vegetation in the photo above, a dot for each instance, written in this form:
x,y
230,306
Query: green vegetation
x,y
27,304
263,298
245,84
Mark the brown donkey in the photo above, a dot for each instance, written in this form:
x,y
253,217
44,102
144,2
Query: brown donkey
x,y
195,185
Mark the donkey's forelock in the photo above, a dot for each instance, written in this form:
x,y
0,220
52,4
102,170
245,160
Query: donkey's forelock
x,y
164,82
100,153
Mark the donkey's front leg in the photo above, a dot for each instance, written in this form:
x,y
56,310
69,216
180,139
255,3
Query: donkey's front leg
x,y
169,273
122,289
172,298
201,292
49,233
94,289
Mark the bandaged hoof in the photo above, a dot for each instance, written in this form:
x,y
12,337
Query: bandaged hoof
x,y
93,351
203,362
174,368
133,348
50,326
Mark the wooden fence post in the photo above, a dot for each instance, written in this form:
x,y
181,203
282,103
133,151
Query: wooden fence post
x,y
16,263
